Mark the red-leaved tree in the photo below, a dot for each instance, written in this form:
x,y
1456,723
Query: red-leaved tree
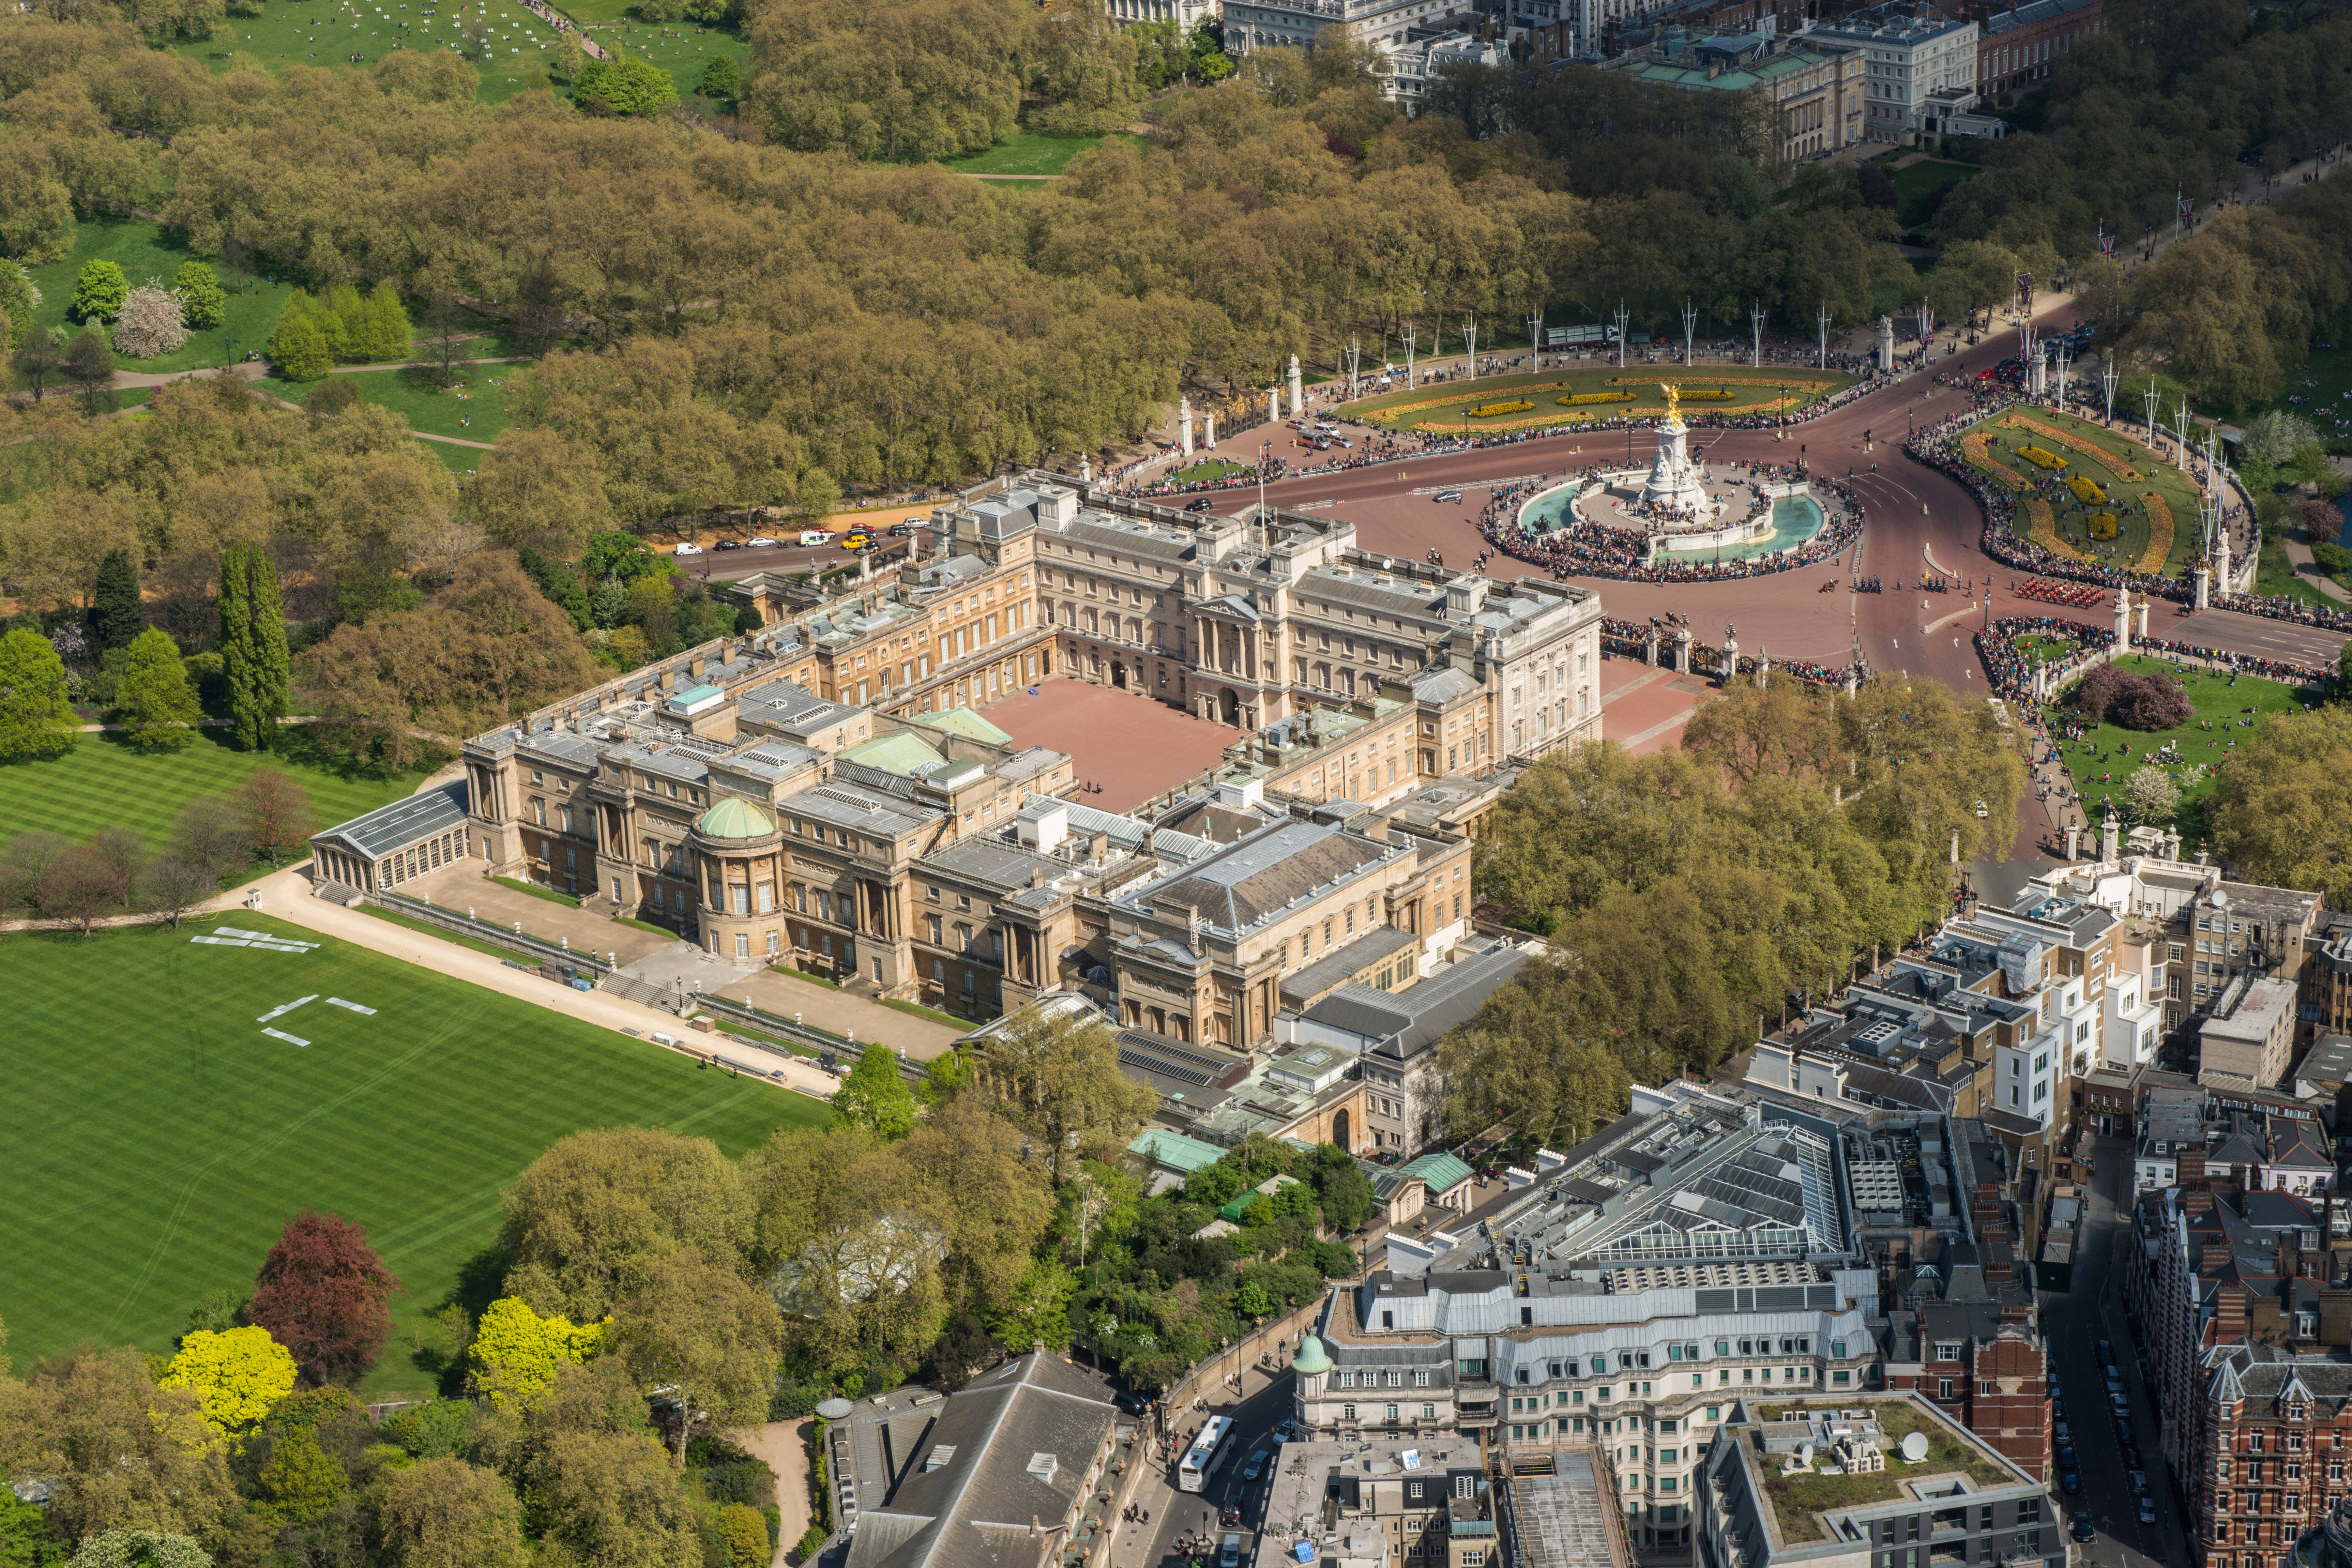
x,y
321,1293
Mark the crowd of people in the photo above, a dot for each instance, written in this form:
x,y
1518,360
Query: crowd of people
x,y
1632,639
1586,547
2073,596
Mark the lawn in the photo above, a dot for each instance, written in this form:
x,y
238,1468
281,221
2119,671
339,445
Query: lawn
x,y
143,251
1796,1499
1920,188
2100,766
473,409
2156,524
102,783
2276,578
158,1140
2319,390
1034,152
1209,469
681,48
2049,647
520,47
1447,407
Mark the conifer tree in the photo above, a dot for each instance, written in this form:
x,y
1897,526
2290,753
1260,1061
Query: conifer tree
x,y
116,615
254,658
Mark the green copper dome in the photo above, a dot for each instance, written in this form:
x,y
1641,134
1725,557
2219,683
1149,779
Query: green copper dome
x,y
733,818
1311,1357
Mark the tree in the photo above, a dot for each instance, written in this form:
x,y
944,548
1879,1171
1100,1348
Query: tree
x,y
1057,1076
82,886
36,363
624,86
1520,1059
203,303
36,719
697,1330
921,79
23,862
24,1538
1341,1187
848,1247
2277,436
209,833
304,1481
19,298
174,886
157,707
543,487
322,1294
446,1513
585,1220
238,1374
515,1350
745,1531
2282,811
299,346
967,1176
124,849
99,291
2150,797
116,1450
721,80
149,324
88,363
872,1096
253,645
276,814
141,1549
117,612
1086,68
610,1499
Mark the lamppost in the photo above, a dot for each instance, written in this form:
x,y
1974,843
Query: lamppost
x,y
2154,397
1690,322
1824,318
2108,376
1535,338
1622,317
1408,332
1756,334
1470,343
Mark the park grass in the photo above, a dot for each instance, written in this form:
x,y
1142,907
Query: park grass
x,y
1444,408
2215,699
803,975
1920,187
103,783
644,925
474,408
682,48
2049,647
916,1009
1211,469
144,249
2319,390
158,1140
2276,578
1035,152
296,33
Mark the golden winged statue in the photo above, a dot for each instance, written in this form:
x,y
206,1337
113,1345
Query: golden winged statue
x,y
1673,400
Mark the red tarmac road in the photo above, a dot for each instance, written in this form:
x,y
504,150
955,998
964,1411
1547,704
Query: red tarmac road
x,y
1784,614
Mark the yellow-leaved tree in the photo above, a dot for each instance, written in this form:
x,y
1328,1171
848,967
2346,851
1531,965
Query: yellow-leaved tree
x,y
240,1374
515,1351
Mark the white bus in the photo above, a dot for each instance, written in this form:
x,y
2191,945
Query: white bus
x,y
1211,1449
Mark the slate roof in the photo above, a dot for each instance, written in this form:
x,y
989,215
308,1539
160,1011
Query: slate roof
x,y
973,1505
1262,874
403,823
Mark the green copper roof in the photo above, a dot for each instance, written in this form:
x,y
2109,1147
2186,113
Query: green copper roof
x,y
906,755
964,722
1311,1357
1440,1172
1174,1150
733,818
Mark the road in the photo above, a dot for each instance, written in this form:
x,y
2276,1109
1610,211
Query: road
x,y
1176,1516
2074,1324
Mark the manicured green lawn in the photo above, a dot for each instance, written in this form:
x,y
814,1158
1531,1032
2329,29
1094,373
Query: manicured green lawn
x,y
2047,647
330,32
102,783
158,1140
473,409
1921,188
1210,468
2276,578
2009,433
2217,701
143,251
681,48
1031,153
2318,390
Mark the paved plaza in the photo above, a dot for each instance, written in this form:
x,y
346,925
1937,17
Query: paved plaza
x,y
1129,747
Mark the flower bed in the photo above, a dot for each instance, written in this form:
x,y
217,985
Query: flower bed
x,y
2103,524
2042,457
1576,397
2085,491
1496,410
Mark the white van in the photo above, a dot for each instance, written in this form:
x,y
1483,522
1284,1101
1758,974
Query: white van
x,y
816,536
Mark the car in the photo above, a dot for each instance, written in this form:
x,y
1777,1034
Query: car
x,y
1443,496
1199,503
2081,1528
2106,1353
1287,1432
2138,1479
854,540
2065,1456
1229,1550
2131,1457
2070,1481
2147,1511
1229,1516
728,544
2116,1403
816,536
1256,1465
912,525
759,541
685,547
2065,1434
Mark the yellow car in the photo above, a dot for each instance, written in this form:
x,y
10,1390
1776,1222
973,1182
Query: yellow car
x,y
854,542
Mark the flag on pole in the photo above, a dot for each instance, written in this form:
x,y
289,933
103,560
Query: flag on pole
x,y
2107,246
2187,205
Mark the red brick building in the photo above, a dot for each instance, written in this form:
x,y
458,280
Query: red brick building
x,y
2016,47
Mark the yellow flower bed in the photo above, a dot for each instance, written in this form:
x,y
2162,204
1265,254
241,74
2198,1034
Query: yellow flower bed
x,y
2042,458
1704,395
1496,410
2098,454
2103,525
2085,490
2159,534
1576,397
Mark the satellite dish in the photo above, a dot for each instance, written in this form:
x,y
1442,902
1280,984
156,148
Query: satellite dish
x,y
835,1409
1915,1447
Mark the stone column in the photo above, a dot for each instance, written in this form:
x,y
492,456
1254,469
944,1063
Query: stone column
x,y
1184,425
1730,666
2204,586
2074,842
1211,442
1298,393
1273,406
2145,604
1682,651
1885,342
2122,622
1650,647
